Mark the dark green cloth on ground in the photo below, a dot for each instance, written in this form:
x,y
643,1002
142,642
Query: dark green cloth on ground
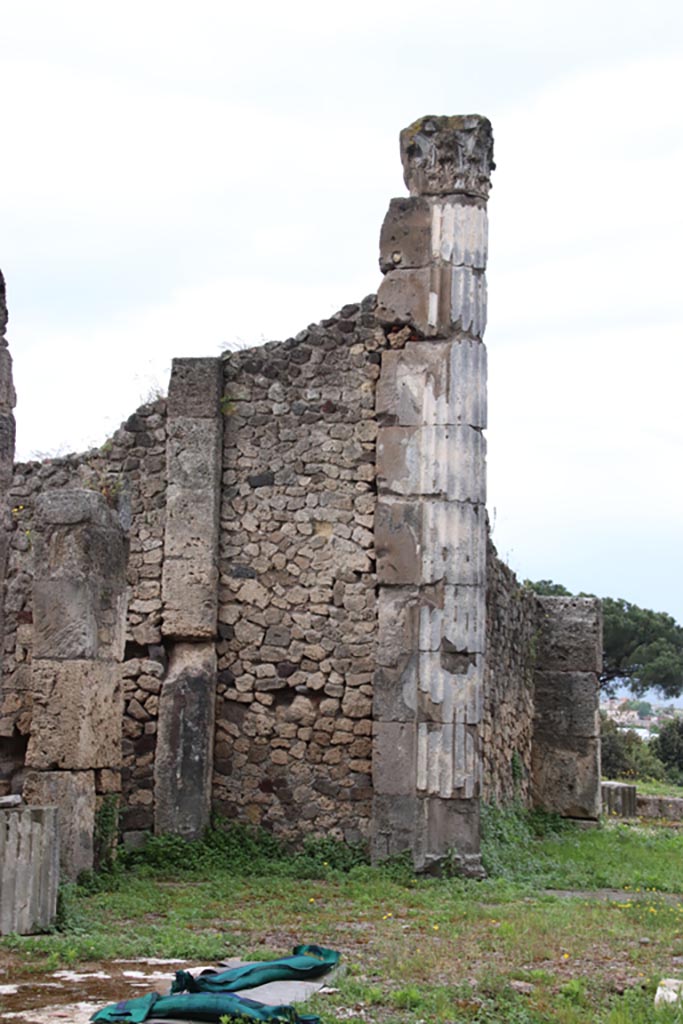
x,y
307,963
210,996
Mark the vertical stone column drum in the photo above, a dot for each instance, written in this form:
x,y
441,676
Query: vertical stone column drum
x,y
79,610
430,532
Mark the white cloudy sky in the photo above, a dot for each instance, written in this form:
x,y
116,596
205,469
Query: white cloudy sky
x,y
177,178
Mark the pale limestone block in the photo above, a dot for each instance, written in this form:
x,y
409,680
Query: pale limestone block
x,y
184,754
459,233
191,522
440,383
192,453
189,589
453,543
450,690
398,613
454,614
444,461
73,793
77,711
448,760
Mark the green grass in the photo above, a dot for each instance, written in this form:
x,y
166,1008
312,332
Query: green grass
x,y
654,788
448,951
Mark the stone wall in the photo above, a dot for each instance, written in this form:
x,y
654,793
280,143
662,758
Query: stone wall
x,y
129,471
315,638
297,605
512,625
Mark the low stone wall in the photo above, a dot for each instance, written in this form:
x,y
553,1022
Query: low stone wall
x,y
669,807
618,800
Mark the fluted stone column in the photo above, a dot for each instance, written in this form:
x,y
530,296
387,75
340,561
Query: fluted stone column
x,y
430,531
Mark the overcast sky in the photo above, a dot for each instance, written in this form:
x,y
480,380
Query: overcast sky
x,y
181,178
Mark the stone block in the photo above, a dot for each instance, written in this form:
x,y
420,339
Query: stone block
x,y
448,759
566,704
442,461
65,625
398,539
448,827
449,687
393,758
570,634
394,692
193,453
618,800
403,298
191,522
567,781
73,793
425,542
440,383
29,869
393,825
453,543
406,236
184,752
398,614
189,590
77,712
73,506
459,233
452,619
195,388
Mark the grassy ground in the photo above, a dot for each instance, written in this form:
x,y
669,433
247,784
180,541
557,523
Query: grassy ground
x,y
518,947
654,788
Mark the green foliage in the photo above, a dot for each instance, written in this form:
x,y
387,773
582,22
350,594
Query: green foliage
x,y
546,588
625,756
668,746
641,648
245,851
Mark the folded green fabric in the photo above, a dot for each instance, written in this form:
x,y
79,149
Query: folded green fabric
x,y
200,1006
210,995
307,962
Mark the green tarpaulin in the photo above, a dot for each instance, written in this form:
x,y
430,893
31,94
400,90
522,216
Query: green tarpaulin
x,y
210,995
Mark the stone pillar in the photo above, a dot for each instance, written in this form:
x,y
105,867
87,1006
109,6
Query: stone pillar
x,y
8,400
184,754
565,757
430,531
79,611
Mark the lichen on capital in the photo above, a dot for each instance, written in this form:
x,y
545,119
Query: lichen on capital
x,y
448,156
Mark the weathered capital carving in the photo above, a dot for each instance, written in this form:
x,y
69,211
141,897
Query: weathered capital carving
x,y
448,155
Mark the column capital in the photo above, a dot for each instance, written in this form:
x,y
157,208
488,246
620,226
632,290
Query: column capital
x,y
448,155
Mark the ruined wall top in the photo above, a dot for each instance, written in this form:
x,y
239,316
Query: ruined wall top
x,y
448,155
